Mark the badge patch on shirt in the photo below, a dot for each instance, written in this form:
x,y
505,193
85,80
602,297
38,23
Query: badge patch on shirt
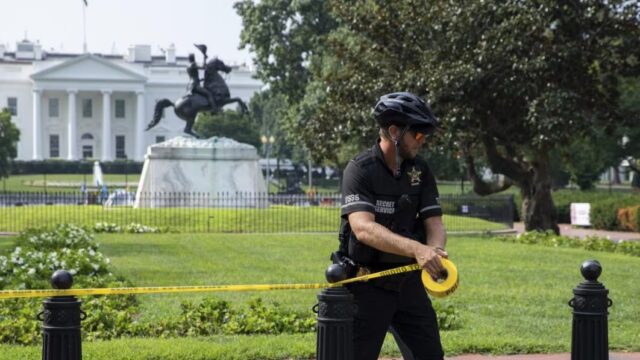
x,y
414,176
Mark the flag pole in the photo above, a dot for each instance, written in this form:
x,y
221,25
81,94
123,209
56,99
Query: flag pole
x,y
84,26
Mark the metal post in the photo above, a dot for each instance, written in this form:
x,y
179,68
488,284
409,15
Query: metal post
x,y
61,319
335,324
590,338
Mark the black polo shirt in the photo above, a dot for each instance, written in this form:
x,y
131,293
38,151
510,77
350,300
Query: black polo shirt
x,y
369,185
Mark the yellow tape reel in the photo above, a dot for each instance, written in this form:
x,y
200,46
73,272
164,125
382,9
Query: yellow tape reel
x,y
447,286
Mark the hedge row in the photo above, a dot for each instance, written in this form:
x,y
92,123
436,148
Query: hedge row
x,y
593,243
604,207
73,167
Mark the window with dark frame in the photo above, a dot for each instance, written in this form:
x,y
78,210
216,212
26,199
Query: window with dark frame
x,y
87,151
54,145
54,107
120,108
87,108
12,105
160,138
120,149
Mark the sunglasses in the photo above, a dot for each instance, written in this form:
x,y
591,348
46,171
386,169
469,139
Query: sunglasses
x,y
419,136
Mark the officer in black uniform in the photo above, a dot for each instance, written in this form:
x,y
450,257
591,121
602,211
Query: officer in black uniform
x,y
392,217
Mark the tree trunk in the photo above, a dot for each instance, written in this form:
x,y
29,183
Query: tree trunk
x,y
538,211
533,178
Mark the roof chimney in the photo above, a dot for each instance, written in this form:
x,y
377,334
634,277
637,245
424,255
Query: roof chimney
x,y
37,51
170,54
139,53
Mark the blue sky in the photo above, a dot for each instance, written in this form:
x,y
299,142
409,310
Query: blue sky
x,y
117,24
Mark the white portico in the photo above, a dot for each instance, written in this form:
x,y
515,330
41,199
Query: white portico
x,y
77,98
96,106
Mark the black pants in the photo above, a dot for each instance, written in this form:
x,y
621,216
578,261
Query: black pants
x,y
408,311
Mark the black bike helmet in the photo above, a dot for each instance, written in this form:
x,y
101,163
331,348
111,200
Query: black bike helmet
x,y
404,109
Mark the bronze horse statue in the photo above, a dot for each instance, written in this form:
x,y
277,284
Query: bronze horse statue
x,y
188,106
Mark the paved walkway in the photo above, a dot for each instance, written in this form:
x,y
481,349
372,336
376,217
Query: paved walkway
x,y
569,230
565,356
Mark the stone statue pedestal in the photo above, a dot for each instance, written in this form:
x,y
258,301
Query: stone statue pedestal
x,y
189,172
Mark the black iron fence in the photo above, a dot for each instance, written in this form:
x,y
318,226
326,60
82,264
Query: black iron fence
x,y
222,212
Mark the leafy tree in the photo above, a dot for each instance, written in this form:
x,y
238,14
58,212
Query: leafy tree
x,y
9,137
630,145
511,80
267,110
586,158
231,124
286,36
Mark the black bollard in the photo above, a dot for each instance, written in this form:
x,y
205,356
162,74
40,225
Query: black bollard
x,y
61,318
335,324
590,337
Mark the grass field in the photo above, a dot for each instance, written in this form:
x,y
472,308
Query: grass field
x,y
64,182
512,297
276,218
73,182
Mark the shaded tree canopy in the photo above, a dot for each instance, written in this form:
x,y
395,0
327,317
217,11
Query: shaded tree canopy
x,y
510,80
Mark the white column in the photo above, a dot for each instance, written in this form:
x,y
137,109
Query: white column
x,y
106,125
140,117
37,131
72,143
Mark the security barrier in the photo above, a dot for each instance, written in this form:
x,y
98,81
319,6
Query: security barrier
x,y
62,314
590,335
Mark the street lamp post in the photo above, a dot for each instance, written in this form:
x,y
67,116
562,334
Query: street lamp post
x,y
267,142
126,180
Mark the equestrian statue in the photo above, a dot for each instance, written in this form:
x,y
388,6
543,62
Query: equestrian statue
x,y
211,96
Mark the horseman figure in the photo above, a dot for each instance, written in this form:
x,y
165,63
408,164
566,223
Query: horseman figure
x,y
213,96
193,70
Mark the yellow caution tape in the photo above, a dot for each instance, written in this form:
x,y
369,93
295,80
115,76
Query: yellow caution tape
x,y
11,294
448,285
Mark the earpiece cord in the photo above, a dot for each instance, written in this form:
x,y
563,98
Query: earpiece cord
x,y
396,143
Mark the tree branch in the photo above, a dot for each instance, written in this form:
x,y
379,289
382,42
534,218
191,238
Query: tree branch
x,y
480,186
501,165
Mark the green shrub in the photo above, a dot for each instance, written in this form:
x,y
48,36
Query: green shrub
x,y
448,315
589,243
135,228
562,200
603,214
38,253
57,166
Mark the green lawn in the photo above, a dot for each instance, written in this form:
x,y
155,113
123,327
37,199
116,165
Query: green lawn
x,y
72,183
276,218
64,182
512,297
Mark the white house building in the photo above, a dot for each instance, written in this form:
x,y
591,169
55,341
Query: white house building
x,y
77,106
